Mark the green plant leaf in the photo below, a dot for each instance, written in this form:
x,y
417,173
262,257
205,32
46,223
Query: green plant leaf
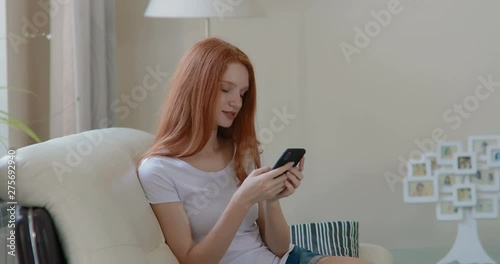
x,y
3,121
3,143
11,120
18,89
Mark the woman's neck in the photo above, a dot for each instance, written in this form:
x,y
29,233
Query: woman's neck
x,y
214,145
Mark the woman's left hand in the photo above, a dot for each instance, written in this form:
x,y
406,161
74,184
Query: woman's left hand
x,y
294,177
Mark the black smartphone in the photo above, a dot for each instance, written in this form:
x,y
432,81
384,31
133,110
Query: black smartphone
x,y
291,154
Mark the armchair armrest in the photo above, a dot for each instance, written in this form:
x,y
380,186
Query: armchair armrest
x,y
375,253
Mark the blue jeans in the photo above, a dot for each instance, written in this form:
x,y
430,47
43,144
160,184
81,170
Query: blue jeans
x,y
300,255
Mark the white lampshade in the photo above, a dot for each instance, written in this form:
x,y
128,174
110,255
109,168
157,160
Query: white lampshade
x,y
203,8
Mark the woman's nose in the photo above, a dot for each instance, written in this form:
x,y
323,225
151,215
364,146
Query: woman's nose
x,y
236,101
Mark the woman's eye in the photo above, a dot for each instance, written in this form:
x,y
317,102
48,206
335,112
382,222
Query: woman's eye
x,y
225,91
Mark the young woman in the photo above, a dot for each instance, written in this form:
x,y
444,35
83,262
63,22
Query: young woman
x,y
203,174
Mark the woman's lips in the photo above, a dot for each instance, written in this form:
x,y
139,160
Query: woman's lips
x,y
230,115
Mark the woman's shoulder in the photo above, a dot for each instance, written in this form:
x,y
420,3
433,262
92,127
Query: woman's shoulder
x,y
166,163
155,165
156,169
157,161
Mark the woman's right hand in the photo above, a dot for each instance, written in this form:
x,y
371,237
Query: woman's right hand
x,y
263,184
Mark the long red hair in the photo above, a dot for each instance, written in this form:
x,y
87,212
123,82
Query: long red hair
x,y
188,115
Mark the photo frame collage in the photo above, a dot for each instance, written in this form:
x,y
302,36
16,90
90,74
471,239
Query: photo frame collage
x,y
456,179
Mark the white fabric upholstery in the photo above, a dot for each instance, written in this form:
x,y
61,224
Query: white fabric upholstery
x,y
375,254
96,201
89,185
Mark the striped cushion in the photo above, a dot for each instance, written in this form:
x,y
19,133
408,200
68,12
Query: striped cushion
x,y
338,238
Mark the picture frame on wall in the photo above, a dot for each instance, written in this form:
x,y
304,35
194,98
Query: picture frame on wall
x,y
479,144
423,189
445,151
486,207
493,156
465,162
419,168
447,179
464,195
446,211
432,158
486,179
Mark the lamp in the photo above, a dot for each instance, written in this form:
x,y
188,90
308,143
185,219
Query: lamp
x,y
203,9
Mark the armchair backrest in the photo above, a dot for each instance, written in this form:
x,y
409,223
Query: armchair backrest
x,y
88,183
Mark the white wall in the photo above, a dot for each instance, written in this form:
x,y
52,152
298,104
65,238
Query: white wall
x,y
357,118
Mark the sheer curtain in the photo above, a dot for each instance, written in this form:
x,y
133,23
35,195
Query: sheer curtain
x,y
82,66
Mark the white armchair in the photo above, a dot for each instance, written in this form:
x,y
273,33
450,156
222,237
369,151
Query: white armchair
x,y
88,184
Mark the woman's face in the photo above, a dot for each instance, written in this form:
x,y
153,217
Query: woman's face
x,y
234,85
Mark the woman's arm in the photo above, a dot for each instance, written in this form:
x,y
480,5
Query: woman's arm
x,y
273,227
177,232
272,224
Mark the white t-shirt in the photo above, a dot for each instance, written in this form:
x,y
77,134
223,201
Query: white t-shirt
x,y
205,196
